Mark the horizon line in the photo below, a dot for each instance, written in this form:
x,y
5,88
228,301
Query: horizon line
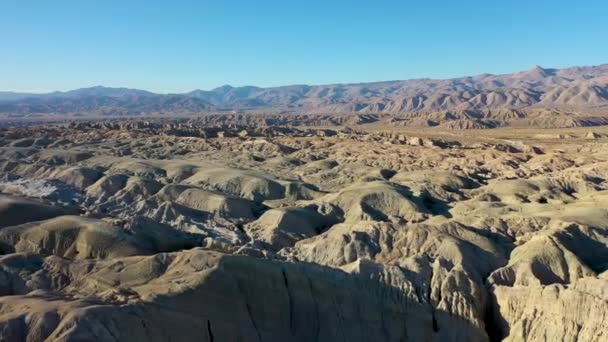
x,y
65,90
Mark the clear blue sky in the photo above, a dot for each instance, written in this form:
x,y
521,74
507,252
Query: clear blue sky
x,y
176,46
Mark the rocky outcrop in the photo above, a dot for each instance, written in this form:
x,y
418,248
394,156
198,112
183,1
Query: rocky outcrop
x,y
574,312
213,297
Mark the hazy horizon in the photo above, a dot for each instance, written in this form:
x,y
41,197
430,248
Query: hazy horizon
x,y
282,85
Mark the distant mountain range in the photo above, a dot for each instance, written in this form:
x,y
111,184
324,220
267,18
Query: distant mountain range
x,y
576,89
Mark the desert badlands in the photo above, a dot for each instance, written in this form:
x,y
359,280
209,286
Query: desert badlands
x,y
304,171
241,228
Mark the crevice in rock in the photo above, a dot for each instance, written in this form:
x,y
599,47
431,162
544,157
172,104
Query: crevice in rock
x,y
257,331
435,326
290,303
491,325
430,301
248,308
209,331
314,300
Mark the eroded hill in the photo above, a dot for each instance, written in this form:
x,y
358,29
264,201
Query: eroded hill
x,y
135,230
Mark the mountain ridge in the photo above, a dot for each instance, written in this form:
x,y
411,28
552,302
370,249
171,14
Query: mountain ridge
x,y
229,86
580,89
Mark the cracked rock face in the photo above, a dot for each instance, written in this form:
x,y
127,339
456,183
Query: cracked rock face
x,y
203,230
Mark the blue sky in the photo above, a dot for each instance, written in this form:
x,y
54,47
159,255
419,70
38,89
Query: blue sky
x,y
177,46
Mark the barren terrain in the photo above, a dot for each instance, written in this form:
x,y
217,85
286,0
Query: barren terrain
x,y
227,228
